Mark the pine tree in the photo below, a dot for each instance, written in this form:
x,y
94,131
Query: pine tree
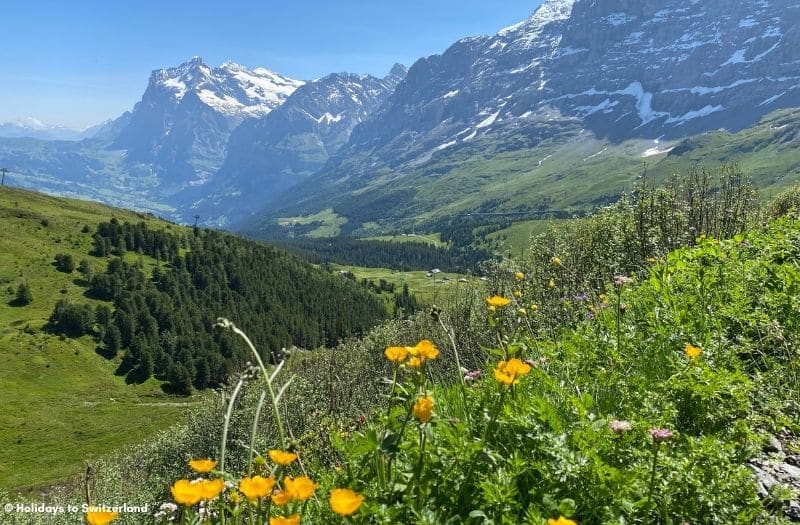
x,y
24,296
113,340
180,380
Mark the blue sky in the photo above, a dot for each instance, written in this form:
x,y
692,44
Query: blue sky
x,y
78,63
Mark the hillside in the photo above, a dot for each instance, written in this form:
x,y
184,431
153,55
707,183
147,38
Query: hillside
x,y
107,342
62,402
560,111
599,385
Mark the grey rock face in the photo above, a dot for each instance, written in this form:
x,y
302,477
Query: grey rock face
x,y
180,128
618,68
272,153
625,68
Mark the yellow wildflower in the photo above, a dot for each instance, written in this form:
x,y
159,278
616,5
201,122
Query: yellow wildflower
x,y
415,362
300,488
555,261
279,457
256,487
345,502
692,352
202,465
534,308
522,312
396,354
551,284
517,294
280,498
186,493
507,372
426,350
210,489
423,409
95,516
279,520
519,276
561,521
498,301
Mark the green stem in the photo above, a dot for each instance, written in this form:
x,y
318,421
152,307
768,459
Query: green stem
x,y
253,433
391,393
482,442
227,422
619,320
455,352
420,464
653,475
229,325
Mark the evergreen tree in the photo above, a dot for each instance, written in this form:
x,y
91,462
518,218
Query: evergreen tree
x,y
85,269
65,263
24,296
112,340
180,380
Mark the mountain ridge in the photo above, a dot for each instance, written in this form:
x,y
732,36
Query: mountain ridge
x,y
619,70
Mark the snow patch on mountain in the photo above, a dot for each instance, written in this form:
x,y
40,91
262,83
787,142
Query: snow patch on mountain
x,y
488,121
703,112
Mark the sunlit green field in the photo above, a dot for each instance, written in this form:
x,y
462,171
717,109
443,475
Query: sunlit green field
x,y
62,403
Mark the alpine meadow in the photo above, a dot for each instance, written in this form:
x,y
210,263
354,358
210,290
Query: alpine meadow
x,y
547,275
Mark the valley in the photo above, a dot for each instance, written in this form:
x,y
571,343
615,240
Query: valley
x,y
544,275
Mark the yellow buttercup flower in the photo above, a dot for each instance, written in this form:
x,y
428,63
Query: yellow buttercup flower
x,y
561,521
498,301
555,261
396,354
692,352
280,498
345,502
186,493
202,465
279,457
210,489
426,350
300,488
519,276
508,372
94,516
423,409
256,487
534,308
291,520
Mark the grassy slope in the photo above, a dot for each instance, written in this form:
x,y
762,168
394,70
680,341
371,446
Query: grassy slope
x,y
61,403
426,289
574,171
429,238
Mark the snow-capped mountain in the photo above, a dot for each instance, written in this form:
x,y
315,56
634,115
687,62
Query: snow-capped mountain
x,y
34,128
620,69
180,128
270,154
623,67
